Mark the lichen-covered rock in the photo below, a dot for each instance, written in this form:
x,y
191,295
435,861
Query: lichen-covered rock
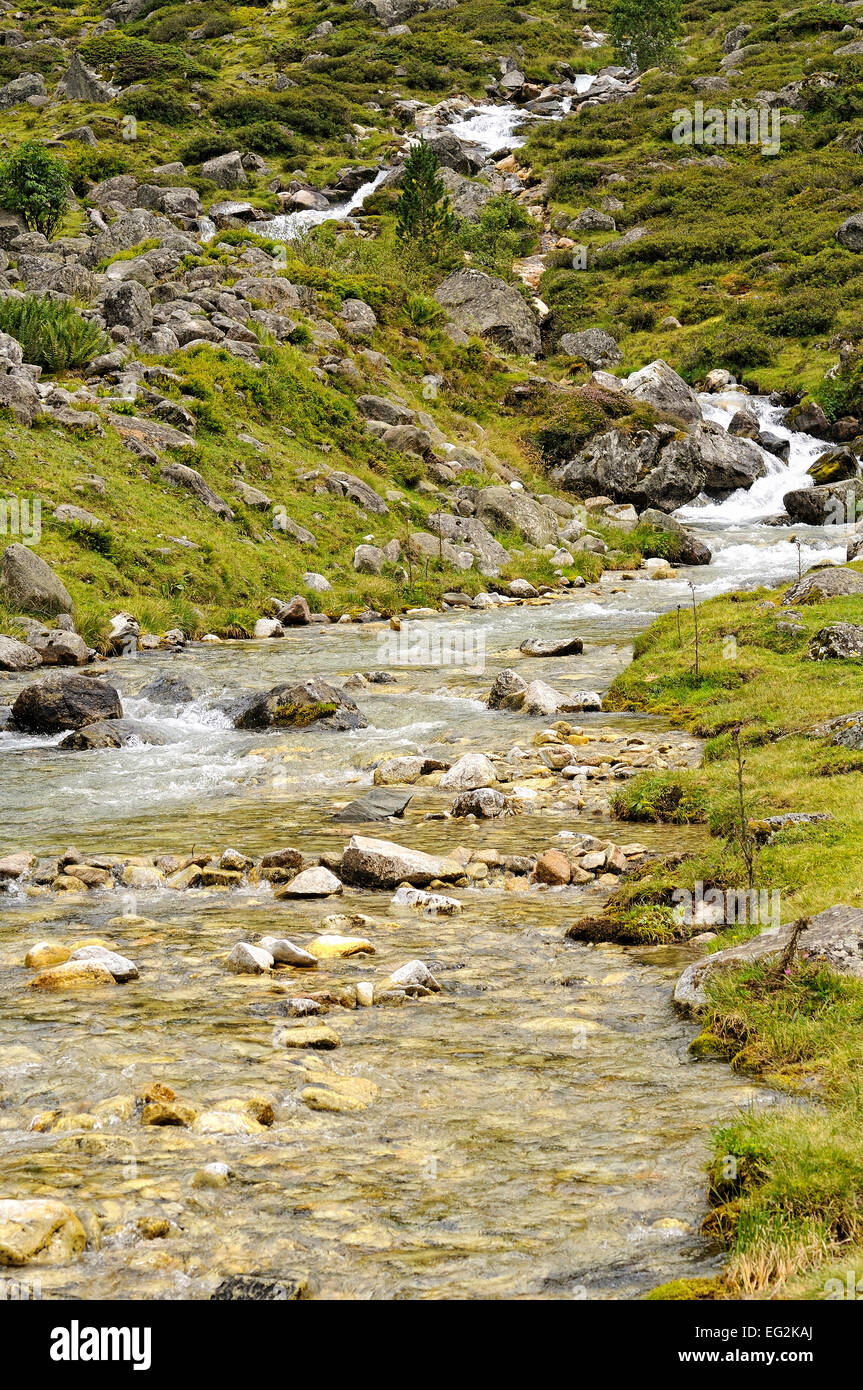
x,y
297,705
483,304
29,585
832,938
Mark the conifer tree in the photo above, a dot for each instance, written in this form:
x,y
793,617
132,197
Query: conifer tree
x,y
423,213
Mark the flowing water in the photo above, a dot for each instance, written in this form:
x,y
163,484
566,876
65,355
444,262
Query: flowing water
x,y
487,126
540,1130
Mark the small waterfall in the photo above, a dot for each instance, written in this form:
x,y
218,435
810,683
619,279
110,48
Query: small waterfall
x,y
490,128
765,496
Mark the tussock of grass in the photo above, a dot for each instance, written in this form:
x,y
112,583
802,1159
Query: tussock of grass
x,y
786,1183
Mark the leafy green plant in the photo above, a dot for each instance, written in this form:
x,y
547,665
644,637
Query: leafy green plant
x,y
503,230
423,311
36,184
659,796
52,332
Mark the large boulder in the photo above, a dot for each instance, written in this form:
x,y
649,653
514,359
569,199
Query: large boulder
x,y
593,346
504,509
382,408
483,304
19,395
80,83
181,476
225,170
850,234
472,771
358,492
837,642
453,155
469,533
818,584
17,656
662,467
56,647
467,198
297,705
829,504
660,386
507,691
114,733
128,304
64,702
688,549
540,698
383,864
550,646
29,585
836,465
29,84
832,938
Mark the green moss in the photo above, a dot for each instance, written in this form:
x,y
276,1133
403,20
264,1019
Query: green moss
x,y
692,1290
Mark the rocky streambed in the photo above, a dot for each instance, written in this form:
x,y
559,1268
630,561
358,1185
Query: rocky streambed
x,y
284,1064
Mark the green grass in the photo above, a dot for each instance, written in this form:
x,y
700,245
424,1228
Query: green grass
x,y
786,1183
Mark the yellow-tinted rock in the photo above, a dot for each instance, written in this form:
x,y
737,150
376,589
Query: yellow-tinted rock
x,y
39,1231
141,876
45,954
226,1122
68,883
330,947
74,974
115,1108
153,1227
44,1121
314,1035
340,1094
168,1112
65,1123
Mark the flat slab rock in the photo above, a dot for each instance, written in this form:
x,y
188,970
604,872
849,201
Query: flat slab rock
x,y
538,646
377,805
383,864
834,937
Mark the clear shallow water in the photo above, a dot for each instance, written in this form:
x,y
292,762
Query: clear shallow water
x,y
540,1130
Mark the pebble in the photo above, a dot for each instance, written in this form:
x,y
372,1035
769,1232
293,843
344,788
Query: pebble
x,y
430,904
316,1035
120,967
311,883
249,960
285,952
329,947
415,974
74,974
212,1175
